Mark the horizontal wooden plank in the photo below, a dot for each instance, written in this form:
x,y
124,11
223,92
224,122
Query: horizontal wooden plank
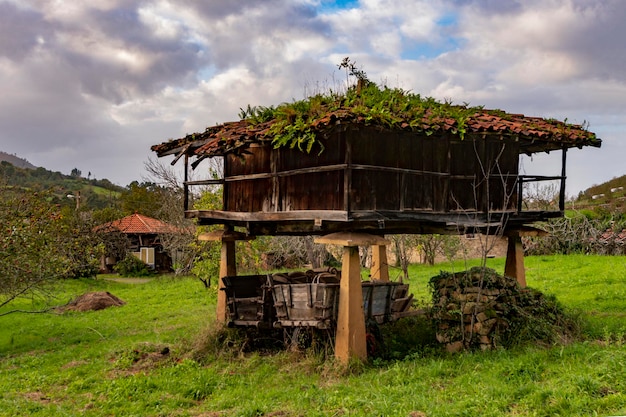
x,y
339,167
299,171
205,182
299,223
352,239
399,170
312,215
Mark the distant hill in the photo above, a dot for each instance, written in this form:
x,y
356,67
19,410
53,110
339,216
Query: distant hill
x,y
609,196
94,194
605,188
16,161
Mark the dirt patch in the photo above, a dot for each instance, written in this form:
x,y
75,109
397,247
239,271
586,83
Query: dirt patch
x,y
37,396
93,301
144,356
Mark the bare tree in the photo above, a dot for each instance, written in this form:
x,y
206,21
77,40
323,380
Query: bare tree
x,y
567,235
180,244
404,246
493,224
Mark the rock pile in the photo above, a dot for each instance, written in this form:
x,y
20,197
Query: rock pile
x,y
479,309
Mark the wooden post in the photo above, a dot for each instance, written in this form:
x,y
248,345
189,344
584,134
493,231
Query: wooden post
x,y
514,265
228,268
185,185
228,264
350,339
380,267
563,177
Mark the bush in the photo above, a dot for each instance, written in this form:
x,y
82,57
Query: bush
x,y
132,266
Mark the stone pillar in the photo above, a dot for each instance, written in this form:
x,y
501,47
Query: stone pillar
x,y
228,264
350,342
380,267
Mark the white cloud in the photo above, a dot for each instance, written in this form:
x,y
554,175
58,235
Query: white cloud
x,y
103,81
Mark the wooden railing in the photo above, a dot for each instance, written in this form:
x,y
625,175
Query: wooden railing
x,y
525,179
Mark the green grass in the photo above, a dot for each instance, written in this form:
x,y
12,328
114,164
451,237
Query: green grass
x,y
110,362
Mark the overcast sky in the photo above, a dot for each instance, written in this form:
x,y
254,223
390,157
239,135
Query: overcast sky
x,y
93,84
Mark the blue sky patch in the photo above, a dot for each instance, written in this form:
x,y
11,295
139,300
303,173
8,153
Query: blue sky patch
x,y
333,5
417,50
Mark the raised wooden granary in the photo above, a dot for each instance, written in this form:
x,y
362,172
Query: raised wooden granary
x,y
352,166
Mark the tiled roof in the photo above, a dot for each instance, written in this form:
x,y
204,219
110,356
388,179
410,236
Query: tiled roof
x,y
618,236
138,224
535,134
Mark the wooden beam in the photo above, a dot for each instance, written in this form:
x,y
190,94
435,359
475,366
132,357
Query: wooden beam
x,y
185,185
206,182
275,173
228,268
329,215
350,341
380,266
224,235
514,266
352,239
183,151
563,173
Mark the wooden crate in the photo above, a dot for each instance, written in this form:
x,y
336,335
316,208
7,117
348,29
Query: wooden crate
x,y
306,305
249,301
383,300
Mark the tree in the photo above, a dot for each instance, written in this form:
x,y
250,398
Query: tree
x,y
403,246
42,243
144,198
31,233
79,244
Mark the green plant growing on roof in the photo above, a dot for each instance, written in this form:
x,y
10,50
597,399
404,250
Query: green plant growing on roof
x,y
293,124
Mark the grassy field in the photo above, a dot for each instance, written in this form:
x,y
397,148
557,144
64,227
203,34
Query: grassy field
x,y
158,356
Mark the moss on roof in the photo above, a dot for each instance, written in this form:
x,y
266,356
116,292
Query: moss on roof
x,y
300,124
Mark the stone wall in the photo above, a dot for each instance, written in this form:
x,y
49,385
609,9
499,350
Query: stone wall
x,y
480,309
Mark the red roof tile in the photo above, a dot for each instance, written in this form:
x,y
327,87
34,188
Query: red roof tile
x,y
618,236
535,134
138,224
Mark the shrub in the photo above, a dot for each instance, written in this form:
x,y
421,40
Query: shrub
x,y
131,266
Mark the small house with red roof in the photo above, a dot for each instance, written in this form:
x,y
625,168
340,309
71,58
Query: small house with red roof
x,y
143,234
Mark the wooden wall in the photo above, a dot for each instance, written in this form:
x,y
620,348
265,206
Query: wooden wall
x,y
365,169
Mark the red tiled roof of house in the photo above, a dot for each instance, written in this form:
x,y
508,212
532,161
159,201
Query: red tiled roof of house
x,y
138,224
619,236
